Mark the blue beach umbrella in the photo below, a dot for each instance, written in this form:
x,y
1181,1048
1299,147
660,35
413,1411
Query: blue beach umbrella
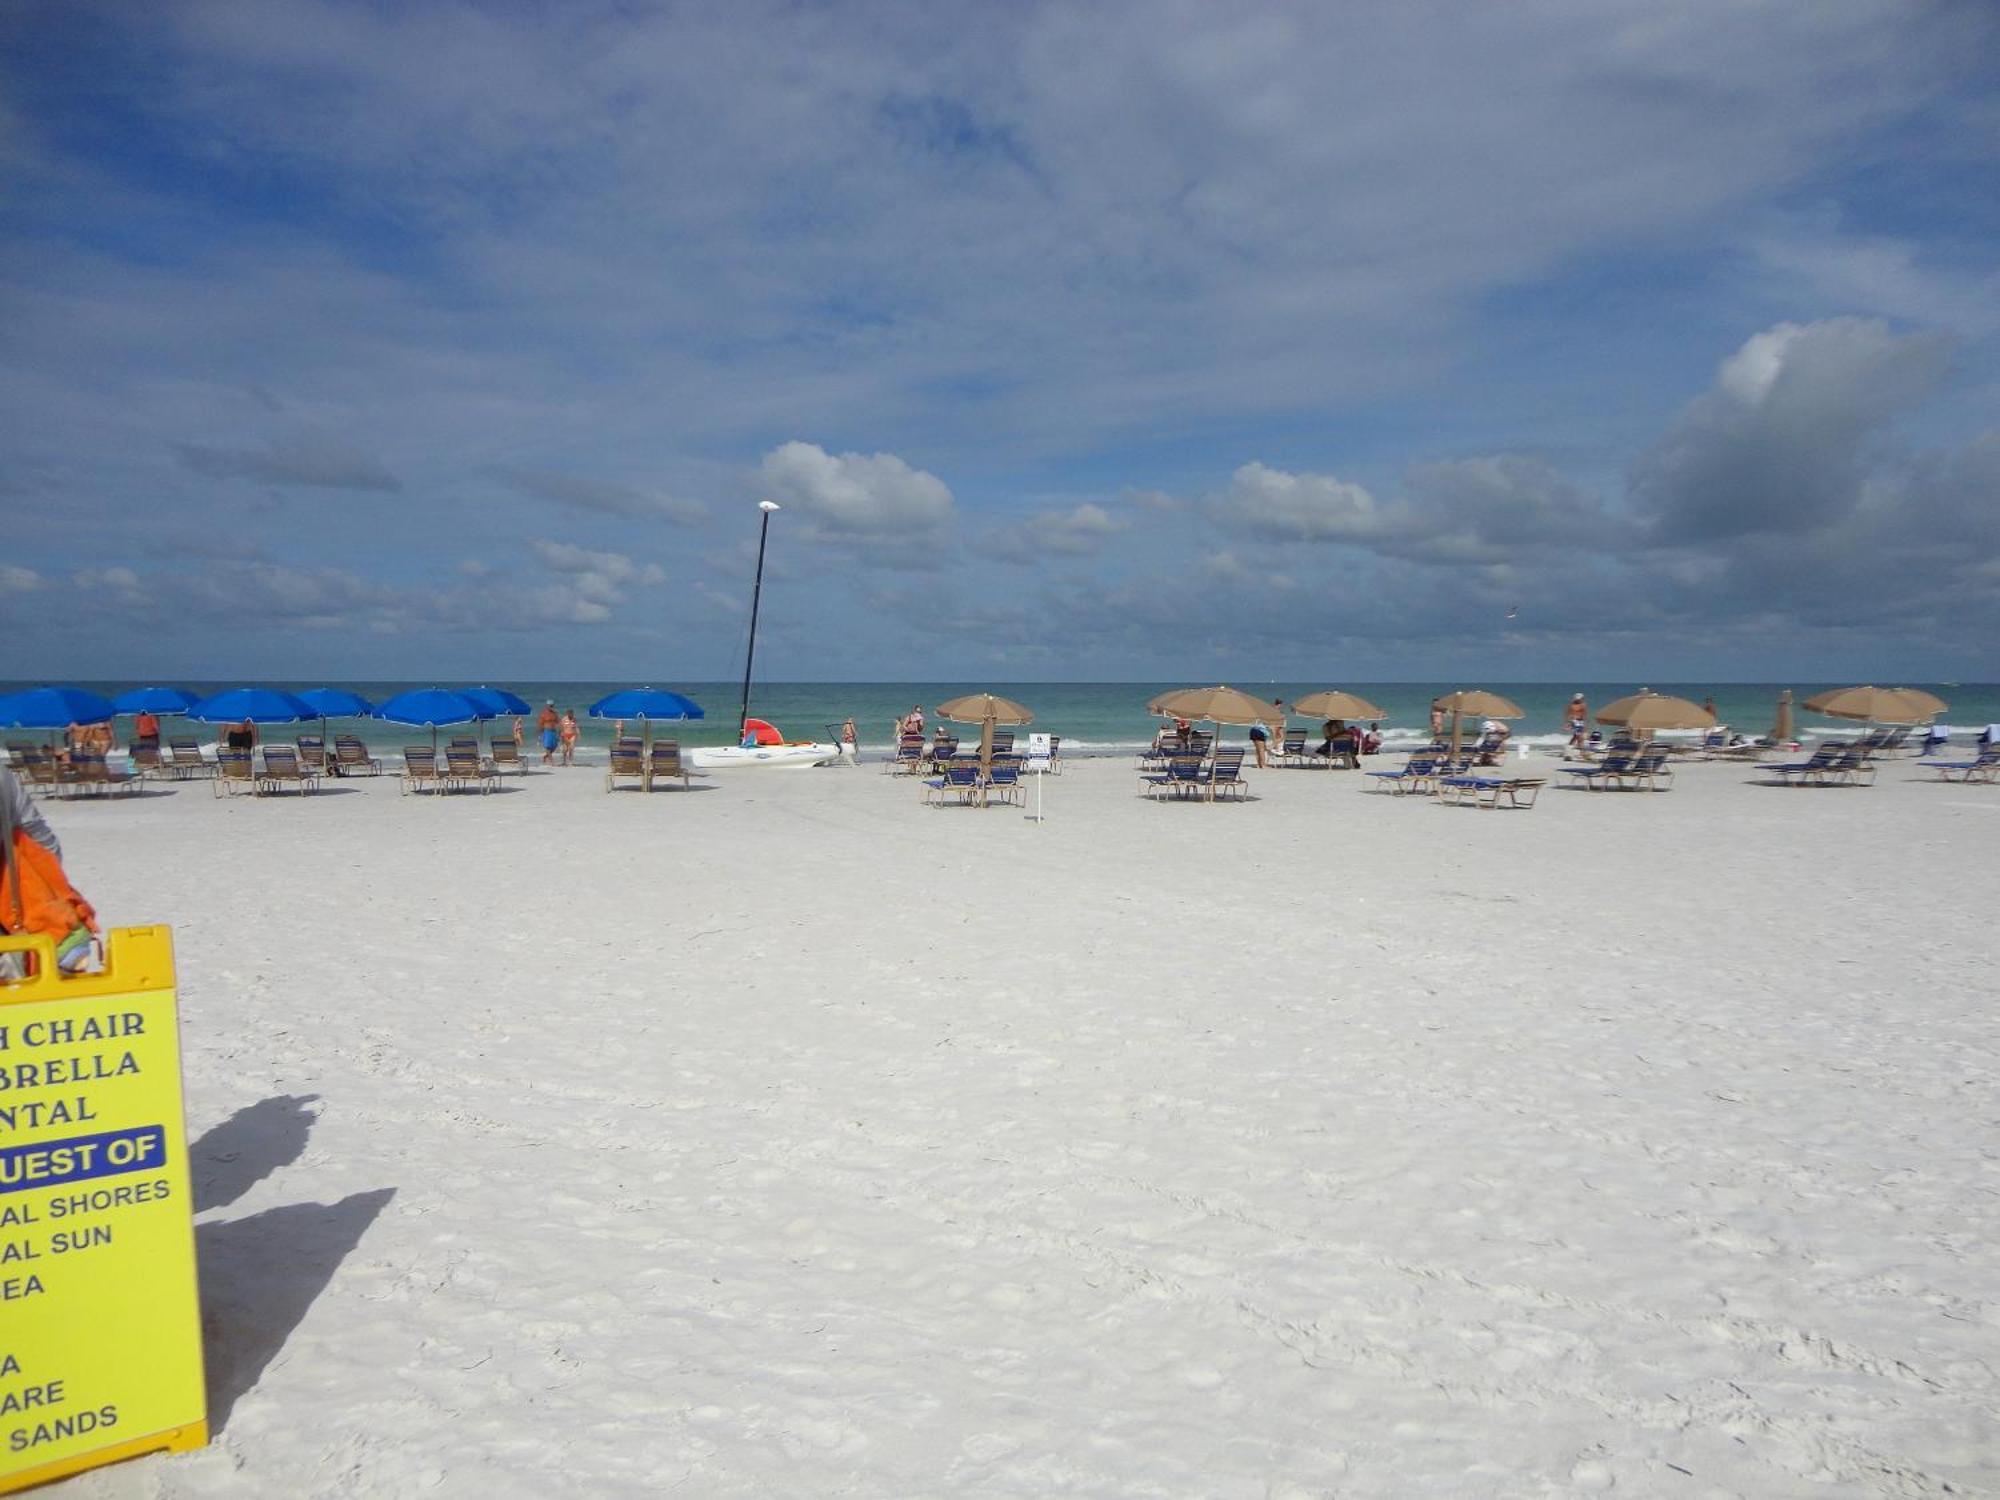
x,y
427,708
645,704
336,703
260,705
54,708
154,700
496,701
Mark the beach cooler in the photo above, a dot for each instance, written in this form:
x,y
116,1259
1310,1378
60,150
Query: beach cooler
x,y
100,1326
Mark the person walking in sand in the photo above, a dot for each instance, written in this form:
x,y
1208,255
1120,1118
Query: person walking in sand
x,y
1577,719
568,733
520,731
548,725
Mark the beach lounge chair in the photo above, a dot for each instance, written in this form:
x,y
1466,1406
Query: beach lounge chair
x,y
1986,767
1492,791
1055,755
665,764
507,755
1602,773
235,771
628,763
1003,742
1184,776
35,766
1292,749
145,756
961,780
352,757
1225,775
1417,774
90,776
283,770
1647,771
1822,769
312,754
1003,780
420,770
465,770
908,759
185,760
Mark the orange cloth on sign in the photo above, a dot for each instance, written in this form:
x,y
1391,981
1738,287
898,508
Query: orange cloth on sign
x,y
36,896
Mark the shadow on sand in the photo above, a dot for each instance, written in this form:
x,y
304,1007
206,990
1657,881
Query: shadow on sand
x,y
259,1278
249,1146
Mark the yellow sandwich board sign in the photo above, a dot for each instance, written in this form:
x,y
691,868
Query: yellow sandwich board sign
x,y
100,1326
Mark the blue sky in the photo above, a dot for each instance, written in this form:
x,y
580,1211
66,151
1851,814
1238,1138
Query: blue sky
x,y
381,341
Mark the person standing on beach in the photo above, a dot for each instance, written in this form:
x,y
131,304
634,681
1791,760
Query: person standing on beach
x,y
1437,724
1578,716
520,730
1260,737
146,728
568,734
547,725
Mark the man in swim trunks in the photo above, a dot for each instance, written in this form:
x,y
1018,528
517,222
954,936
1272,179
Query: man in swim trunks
x,y
1578,714
548,725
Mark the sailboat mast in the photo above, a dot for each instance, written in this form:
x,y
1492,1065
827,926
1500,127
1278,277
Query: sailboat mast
x,y
756,597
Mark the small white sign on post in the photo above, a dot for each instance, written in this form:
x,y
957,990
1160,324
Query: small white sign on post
x,y
1039,756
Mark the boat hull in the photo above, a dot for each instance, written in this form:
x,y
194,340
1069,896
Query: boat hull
x,y
764,757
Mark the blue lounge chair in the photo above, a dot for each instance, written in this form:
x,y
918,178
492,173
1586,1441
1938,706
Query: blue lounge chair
x,y
960,780
1829,763
1604,773
1225,776
1184,776
1985,768
1003,779
1415,774
1491,791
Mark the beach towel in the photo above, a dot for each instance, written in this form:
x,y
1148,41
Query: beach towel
x,y
36,897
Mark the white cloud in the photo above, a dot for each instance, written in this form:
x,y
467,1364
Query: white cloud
x,y
1078,532
855,494
18,580
594,582
1306,508
1783,441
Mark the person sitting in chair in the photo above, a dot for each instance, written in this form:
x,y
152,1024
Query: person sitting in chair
x,y
1493,739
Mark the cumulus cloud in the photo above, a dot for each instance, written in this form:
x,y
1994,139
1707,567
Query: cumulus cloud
x,y
1078,532
309,462
605,497
1460,511
18,580
1781,443
855,494
1273,504
594,583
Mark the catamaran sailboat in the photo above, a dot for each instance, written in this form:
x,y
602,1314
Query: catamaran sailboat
x,y
761,744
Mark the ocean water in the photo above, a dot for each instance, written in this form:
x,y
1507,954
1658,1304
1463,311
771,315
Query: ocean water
x,y
1098,718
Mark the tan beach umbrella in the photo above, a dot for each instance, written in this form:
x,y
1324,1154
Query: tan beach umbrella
x,y
985,710
1930,702
1334,704
1220,705
1649,710
1877,705
1476,703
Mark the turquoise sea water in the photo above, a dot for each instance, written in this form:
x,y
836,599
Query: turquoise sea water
x,y
1103,717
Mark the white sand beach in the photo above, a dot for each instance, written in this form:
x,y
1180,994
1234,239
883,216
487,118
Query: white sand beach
x,y
787,1137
